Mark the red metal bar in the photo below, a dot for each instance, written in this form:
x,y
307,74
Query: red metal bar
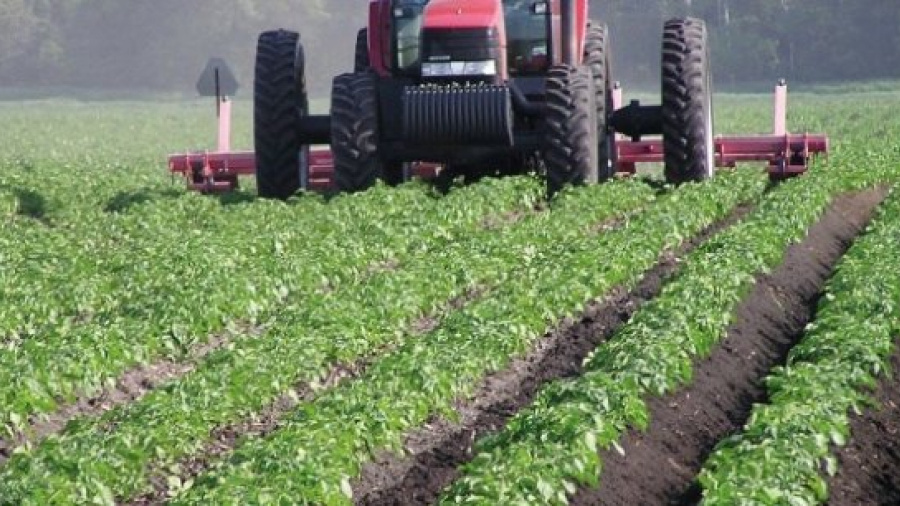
x,y
787,154
218,164
218,172
730,150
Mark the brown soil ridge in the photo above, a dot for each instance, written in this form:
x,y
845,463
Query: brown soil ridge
x,y
660,466
869,465
435,451
130,387
225,439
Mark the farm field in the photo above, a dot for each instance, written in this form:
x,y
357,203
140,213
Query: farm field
x,y
731,342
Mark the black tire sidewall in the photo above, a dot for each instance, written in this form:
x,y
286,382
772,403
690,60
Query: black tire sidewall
x,y
597,56
571,149
687,102
354,132
280,100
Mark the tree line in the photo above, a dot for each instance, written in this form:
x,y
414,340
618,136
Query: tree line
x,y
162,44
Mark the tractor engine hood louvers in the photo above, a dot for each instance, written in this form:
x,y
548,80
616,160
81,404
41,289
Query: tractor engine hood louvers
x,y
449,115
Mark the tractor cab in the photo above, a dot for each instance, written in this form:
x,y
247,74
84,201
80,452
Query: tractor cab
x,y
406,29
483,40
528,36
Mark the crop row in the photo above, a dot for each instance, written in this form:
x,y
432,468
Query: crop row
x,y
165,289
551,448
308,338
325,442
779,456
100,269
97,269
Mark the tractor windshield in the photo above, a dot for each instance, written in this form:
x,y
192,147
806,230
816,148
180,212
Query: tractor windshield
x,y
527,28
407,26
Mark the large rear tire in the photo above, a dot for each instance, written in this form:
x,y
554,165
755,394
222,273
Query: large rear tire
x,y
687,102
597,57
361,61
279,101
570,154
354,132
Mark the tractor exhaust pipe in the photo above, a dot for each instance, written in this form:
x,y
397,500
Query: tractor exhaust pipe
x,y
569,44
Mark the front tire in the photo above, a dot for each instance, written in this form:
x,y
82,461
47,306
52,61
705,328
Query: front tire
x,y
354,132
687,102
279,101
571,152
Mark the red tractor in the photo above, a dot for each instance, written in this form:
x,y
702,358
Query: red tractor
x,y
479,87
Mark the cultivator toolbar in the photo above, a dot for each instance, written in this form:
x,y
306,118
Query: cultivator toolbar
x,y
787,154
218,171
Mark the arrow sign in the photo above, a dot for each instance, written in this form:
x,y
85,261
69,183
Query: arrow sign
x,y
217,80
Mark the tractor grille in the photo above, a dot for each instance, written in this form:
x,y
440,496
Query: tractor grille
x,y
461,44
451,115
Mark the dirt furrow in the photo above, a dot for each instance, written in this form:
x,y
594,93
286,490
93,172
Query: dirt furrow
x,y
869,465
129,387
659,466
435,451
225,439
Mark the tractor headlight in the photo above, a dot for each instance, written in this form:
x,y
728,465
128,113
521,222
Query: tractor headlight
x,y
480,68
437,69
459,68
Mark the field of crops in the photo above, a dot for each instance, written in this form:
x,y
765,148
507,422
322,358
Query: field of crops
x,y
732,342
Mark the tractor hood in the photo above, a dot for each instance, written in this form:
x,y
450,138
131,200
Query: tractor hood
x,y
462,14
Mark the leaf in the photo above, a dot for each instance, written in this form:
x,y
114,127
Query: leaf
x,y
838,438
831,466
346,489
590,440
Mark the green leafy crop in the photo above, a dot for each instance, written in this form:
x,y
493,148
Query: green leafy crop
x,y
780,455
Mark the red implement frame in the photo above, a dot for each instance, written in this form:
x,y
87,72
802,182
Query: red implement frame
x,y
218,171
787,154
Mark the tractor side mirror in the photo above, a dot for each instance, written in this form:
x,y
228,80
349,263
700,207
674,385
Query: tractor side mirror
x,y
539,8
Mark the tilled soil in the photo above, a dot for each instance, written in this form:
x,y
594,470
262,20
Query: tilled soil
x,y
225,439
435,451
869,466
659,466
